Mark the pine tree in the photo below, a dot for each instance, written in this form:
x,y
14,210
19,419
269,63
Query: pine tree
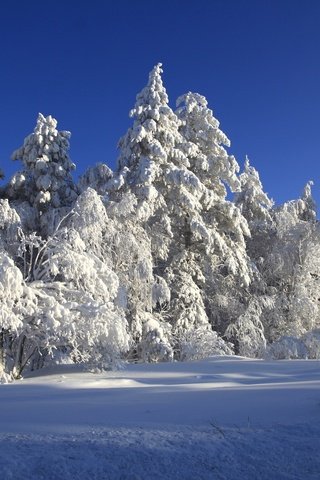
x,y
97,177
291,269
254,203
149,161
10,224
181,202
153,166
46,181
130,248
257,208
219,241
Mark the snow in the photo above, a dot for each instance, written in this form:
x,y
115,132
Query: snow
x,y
222,418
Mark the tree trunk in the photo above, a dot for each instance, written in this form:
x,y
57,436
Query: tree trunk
x,y
2,351
18,364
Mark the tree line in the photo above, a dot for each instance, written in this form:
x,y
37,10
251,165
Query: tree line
x,y
153,261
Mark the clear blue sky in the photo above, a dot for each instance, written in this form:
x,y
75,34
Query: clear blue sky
x,y
257,62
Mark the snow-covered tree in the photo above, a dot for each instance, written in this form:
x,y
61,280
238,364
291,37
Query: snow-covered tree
x,y
208,158
247,332
257,208
10,224
254,203
153,166
291,269
74,308
307,208
97,177
141,294
110,231
11,313
219,239
46,181
146,172
149,161
153,261
178,179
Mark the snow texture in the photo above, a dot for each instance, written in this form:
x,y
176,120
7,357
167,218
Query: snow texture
x,y
223,418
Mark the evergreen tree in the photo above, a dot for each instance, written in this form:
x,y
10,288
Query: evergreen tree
x,y
10,224
153,262
153,165
256,207
97,177
291,269
181,204
254,203
219,240
46,181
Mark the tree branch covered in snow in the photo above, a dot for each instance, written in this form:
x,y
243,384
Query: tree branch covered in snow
x,y
155,261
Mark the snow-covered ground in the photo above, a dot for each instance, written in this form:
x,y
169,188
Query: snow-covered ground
x,y
223,418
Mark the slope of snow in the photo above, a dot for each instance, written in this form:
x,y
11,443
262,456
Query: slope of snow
x,y
223,418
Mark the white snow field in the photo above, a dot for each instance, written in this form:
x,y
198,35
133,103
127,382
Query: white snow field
x,y
223,418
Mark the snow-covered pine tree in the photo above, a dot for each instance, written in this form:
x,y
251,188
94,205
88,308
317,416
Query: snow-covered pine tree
x,y
306,206
145,164
184,218
130,247
291,269
10,225
254,203
97,177
208,157
153,166
45,182
257,208
218,241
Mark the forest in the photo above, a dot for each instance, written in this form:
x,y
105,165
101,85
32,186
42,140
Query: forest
x,y
174,256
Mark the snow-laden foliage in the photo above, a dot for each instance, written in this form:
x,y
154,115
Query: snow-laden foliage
x,y
219,234
287,348
291,270
46,181
96,177
73,300
141,292
254,203
10,223
17,306
197,344
208,157
11,292
155,261
306,206
178,180
247,333
305,346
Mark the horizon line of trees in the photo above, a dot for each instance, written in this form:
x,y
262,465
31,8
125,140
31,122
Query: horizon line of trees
x,y
152,261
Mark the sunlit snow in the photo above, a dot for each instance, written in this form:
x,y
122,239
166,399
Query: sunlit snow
x,y
223,418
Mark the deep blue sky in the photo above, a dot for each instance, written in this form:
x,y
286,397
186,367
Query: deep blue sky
x,y
257,62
